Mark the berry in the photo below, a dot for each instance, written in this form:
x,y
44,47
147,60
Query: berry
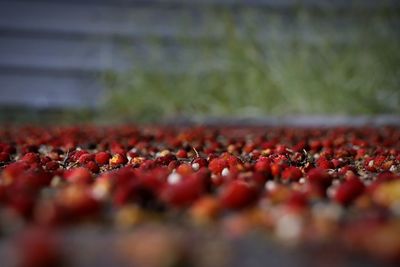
x,y
324,163
75,155
263,165
117,160
102,158
348,191
85,158
78,175
165,160
238,194
52,165
31,158
217,165
4,157
202,162
92,166
319,176
184,169
184,192
292,174
181,153
276,169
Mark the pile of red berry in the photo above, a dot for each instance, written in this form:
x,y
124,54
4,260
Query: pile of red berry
x,y
300,185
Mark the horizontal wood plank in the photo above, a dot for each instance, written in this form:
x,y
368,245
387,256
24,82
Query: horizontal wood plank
x,y
234,3
108,20
49,90
93,54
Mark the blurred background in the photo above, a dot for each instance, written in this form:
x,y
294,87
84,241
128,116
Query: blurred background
x,y
138,60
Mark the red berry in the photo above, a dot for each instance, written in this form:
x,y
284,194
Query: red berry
x,y
238,194
92,166
184,169
117,148
346,169
319,176
324,163
217,165
232,160
75,155
132,153
185,192
336,163
379,160
165,160
7,148
173,165
117,160
148,164
52,165
181,153
201,161
292,174
299,146
360,153
259,178
10,149
281,149
263,165
14,169
78,175
28,149
369,165
348,191
85,158
44,160
315,145
4,157
276,169
31,158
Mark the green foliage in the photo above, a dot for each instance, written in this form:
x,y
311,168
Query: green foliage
x,y
334,71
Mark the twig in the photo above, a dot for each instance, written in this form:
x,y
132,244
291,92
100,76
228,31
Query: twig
x,y
195,151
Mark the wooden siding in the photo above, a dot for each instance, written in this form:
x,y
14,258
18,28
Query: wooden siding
x,y
52,52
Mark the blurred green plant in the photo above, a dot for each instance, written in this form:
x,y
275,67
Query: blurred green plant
x,y
243,74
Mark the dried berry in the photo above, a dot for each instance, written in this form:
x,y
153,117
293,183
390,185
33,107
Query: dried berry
x,y
78,175
102,158
117,160
348,191
292,174
4,157
238,194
